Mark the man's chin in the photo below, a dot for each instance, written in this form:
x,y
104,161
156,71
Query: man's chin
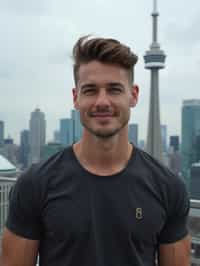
x,y
104,134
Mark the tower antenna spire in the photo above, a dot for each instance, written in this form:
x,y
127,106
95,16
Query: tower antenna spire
x,y
155,15
155,6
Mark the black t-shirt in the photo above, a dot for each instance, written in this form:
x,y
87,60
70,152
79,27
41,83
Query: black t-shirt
x,y
82,219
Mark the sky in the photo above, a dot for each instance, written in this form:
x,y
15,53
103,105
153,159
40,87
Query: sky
x,y
36,40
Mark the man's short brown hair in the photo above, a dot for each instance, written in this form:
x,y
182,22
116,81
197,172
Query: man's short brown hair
x,y
104,50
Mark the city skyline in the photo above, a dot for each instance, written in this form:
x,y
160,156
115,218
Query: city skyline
x,y
57,133
36,44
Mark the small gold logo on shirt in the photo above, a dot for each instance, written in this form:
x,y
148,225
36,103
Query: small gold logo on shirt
x,y
138,213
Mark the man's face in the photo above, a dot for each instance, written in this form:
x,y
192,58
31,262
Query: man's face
x,y
104,96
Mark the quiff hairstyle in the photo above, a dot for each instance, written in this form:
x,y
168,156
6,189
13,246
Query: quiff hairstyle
x,y
104,50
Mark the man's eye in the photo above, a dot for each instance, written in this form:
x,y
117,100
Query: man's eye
x,y
115,90
89,91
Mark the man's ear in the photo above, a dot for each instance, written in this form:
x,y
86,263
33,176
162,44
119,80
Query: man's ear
x,y
75,98
134,95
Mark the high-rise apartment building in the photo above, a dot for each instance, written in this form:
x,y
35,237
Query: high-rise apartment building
x,y
1,133
37,135
24,148
164,137
10,150
174,143
66,131
70,129
174,161
190,136
77,126
133,133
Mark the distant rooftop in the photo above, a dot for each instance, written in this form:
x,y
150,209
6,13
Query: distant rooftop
x,y
191,102
6,167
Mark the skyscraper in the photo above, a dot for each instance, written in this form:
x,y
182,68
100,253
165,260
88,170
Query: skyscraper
x,y
66,131
37,135
1,133
190,136
24,148
154,61
174,142
77,126
10,150
133,133
70,129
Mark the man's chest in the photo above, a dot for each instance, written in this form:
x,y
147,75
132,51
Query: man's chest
x,y
132,212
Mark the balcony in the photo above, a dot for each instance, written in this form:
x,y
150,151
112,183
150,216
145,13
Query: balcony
x,y
194,218
5,185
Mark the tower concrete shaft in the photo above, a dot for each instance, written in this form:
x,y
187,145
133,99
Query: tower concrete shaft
x,y
154,141
154,61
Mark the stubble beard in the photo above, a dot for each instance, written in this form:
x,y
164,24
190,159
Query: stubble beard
x,y
103,134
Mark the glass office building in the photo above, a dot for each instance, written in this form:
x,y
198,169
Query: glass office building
x,y
190,136
66,131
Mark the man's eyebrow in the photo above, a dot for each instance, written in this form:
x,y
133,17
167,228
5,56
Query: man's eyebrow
x,y
88,85
109,84
115,84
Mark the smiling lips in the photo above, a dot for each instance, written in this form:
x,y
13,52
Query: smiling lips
x,y
102,115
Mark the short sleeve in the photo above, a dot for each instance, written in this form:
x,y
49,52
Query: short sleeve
x,y
176,226
24,213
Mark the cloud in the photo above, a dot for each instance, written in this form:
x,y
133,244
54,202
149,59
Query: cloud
x,y
22,7
185,35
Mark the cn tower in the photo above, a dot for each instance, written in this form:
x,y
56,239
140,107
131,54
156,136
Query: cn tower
x,y
154,61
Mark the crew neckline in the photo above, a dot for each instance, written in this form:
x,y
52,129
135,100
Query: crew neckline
x,y
114,175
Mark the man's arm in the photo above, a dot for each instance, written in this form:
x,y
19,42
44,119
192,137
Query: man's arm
x,y
175,254
18,251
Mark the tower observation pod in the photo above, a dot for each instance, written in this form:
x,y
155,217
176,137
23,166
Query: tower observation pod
x,y
154,60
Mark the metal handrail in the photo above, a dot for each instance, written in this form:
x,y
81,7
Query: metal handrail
x,y
194,203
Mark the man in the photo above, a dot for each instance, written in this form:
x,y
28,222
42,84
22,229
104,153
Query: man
x,y
101,202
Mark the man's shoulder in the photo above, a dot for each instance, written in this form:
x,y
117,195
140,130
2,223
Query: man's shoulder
x,y
156,170
44,170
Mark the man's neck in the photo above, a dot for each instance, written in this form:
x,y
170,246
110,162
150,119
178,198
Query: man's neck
x,y
103,157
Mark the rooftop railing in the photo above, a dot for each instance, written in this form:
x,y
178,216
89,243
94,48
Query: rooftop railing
x,y
194,217
194,226
5,185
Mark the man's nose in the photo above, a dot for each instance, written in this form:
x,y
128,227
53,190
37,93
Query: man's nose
x,y
102,98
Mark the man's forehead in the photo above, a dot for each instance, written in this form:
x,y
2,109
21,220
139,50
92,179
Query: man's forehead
x,y
99,71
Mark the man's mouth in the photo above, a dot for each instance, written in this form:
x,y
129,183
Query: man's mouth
x,y
102,114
